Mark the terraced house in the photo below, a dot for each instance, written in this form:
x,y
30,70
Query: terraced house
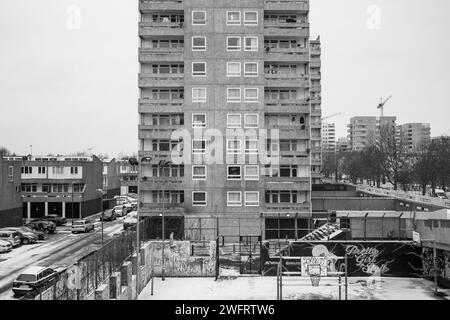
x,y
228,65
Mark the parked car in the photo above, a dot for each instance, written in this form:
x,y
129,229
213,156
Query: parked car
x,y
43,226
440,194
12,236
82,226
108,215
119,211
58,220
5,246
33,278
26,237
130,220
125,199
40,235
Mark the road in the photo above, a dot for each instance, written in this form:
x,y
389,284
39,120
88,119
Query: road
x,y
61,249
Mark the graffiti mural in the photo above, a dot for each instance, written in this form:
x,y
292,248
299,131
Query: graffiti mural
x,y
178,261
388,259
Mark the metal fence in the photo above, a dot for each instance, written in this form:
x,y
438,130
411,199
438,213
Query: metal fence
x,y
95,269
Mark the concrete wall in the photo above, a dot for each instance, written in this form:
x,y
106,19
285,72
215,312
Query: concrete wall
x,y
10,196
353,204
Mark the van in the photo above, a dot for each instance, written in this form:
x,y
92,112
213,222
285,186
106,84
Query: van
x,y
12,236
440,194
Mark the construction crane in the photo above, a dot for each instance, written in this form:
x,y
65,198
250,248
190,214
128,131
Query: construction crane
x,y
332,116
381,105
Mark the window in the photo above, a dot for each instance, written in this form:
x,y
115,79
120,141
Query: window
x,y
251,146
234,95
233,145
10,171
250,18
198,172
251,69
198,145
234,198
251,95
234,173
198,18
199,198
251,44
57,170
233,121
251,172
251,120
198,43
233,18
199,69
199,120
73,170
233,43
27,170
198,94
251,198
233,69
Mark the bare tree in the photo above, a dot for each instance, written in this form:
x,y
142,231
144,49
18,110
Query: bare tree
x,y
392,150
4,152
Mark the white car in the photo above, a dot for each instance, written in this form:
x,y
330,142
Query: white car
x,y
125,199
120,211
130,220
82,226
5,246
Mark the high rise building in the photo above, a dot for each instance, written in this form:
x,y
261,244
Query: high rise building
x,y
343,145
363,130
415,134
214,69
328,137
316,110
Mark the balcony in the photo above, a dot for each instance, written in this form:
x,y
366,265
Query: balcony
x,y
286,207
315,64
286,80
161,80
147,6
150,29
292,132
166,183
286,29
151,55
316,112
286,5
286,106
148,105
146,133
286,55
316,76
280,184
156,155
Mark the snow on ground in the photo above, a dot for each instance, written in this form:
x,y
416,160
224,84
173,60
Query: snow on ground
x,y
265,288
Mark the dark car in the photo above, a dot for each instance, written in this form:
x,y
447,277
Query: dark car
x,y
26,237
58,220
108,215
34,278
43,226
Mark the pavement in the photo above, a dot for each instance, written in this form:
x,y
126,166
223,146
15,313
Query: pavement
x,y
61,249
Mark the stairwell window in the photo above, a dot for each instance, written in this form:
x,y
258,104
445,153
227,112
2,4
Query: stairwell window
x,y
233,18
198,146
199,198
251,120
234,95
250,18
251,69
198,94
198,43
199,69
198,18
251,94
233,43
198,172
251,44
251,198
199,120
234,199
234,120
234,173
251,172
233,69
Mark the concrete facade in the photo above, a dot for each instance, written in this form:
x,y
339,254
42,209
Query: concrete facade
x,y
58,184
227,65
10,199
328,137
128,176
415,134
363,130
111,183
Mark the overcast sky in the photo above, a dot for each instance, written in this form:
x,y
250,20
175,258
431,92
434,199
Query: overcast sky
x,y
64,89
